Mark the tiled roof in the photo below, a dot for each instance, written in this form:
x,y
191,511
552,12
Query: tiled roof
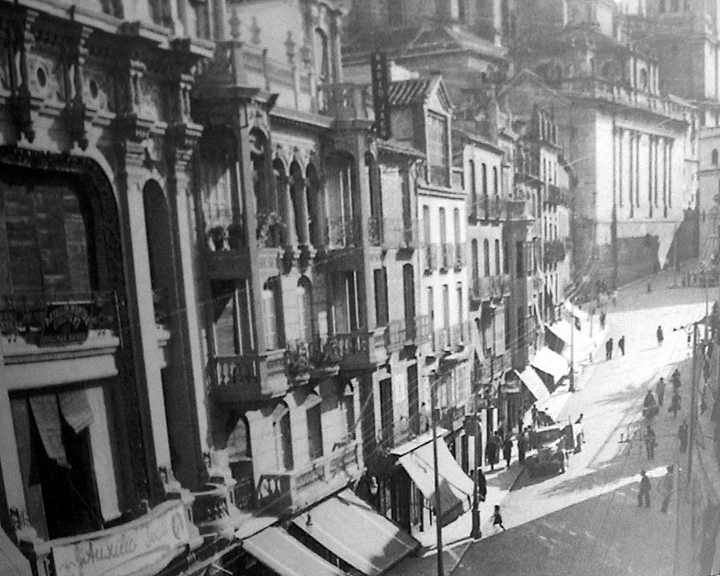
x,y
407,92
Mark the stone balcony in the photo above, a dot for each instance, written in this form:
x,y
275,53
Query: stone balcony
x,y
247,377
487,288
283,492
393,233
624,95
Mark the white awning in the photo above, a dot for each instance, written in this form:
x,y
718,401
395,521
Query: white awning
x,y
285,555
551,363
581,343
534,383
455,487
352,530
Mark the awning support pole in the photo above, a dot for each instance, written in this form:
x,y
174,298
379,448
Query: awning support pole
x,y
438,509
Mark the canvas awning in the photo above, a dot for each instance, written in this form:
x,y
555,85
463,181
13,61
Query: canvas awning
x,y
12,562
551,363
282,553
352,530
455,486
534,383
581,343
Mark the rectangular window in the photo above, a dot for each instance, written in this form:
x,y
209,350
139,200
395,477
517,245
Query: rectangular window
x,y
443,226
386,411
456,224
270,304
446,306
431,307
461,312
438,153
349,409
426,225
381,296
314,426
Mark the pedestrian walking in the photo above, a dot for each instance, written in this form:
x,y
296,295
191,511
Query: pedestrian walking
x,y
676,380
609,349
675,404
659,335
482,484
660,391
650,408
665,488
602,320
644,494
491,450
683,436
507,450
522,446
650,442
497,519
621,344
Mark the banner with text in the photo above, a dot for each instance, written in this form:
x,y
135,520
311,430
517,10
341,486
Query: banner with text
x,y
139,548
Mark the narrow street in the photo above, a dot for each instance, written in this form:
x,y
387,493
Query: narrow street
x,y
587,521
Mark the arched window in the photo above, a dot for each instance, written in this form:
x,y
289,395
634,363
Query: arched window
x,y
239,454
313,415
341,198
299,204
278,220
486,255
473,188
259,160
496,181
484,174
322,56
283,437
314,204
305,309
160,252
497,257
714,157
271,323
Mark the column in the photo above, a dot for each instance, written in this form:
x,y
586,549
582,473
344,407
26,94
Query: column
x,y
621,135
141,313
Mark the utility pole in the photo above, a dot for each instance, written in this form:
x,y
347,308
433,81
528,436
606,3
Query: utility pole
x,y
475,531
693,399
572,346
438,506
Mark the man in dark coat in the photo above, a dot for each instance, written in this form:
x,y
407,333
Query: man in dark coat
x,y
659,335
675,406
683,436
621,344
660,390
608,349
491,451
644,494
522,446
650,441
507,449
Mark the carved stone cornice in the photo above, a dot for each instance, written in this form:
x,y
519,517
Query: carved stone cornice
x,y
181,141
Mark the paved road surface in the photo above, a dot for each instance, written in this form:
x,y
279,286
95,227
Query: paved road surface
x,y
586,521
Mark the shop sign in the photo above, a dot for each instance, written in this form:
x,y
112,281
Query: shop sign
x,y
66,323
510,387
141,547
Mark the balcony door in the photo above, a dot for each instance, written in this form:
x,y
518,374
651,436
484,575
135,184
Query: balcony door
x,y
409,298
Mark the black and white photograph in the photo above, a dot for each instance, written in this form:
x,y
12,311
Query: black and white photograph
x,y
359,287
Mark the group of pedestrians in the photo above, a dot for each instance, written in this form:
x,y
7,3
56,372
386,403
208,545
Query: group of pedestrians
x,y
610,344
498,444
650,409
